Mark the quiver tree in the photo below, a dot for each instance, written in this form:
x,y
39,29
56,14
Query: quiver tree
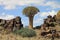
x,y
30,12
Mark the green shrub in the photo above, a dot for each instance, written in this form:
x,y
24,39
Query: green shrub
x,y
25,32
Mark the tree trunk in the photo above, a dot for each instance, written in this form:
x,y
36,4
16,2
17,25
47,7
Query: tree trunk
x,y
31,22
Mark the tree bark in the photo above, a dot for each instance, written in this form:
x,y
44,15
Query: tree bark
x,y
31,22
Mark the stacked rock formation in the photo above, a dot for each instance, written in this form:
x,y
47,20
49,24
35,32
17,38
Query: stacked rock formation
x,y
50,21
49,28
13,24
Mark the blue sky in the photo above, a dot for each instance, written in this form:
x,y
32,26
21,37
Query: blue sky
x,y
11,8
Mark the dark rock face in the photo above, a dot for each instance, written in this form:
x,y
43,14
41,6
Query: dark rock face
x,y
13,24
49,21
2,22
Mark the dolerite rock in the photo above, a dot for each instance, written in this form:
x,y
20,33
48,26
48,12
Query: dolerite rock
x,y
50,21
10,25
49,16
2,22
17,23
13,24
18,20
17,26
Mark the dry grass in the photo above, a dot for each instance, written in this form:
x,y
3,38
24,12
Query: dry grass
x,y
11,36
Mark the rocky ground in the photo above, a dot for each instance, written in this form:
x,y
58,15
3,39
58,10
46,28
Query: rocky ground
x,y
11,36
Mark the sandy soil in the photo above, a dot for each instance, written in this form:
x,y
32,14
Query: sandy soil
x,y
11,36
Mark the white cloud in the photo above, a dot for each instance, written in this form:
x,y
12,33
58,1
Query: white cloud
x,y
6,16
37,20
52,4
52,13
11,4
10,7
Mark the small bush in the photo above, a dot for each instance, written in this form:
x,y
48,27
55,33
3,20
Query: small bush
x,y
25,32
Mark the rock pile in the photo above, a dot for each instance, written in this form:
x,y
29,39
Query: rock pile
x,y
49,21
13,24
48,27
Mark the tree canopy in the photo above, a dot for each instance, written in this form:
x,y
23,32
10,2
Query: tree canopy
x,y
30,11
